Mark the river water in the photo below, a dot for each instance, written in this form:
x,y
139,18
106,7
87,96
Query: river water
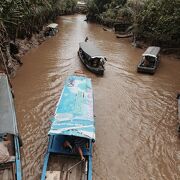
x,y
136,114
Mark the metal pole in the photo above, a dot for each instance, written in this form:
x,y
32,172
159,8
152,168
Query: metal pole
x,y
74,166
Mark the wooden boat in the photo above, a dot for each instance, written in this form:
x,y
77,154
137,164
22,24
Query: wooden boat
x,y
126,35
10,163
150,60
74,118
51,29
91,57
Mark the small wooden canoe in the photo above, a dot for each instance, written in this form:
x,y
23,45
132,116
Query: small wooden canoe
x,y
124,35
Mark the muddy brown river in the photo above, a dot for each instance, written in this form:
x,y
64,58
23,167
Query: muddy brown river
x,y
136,114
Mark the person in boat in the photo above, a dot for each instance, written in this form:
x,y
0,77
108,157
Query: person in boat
x,y
95,63
4,153
86,39
146,62
76,144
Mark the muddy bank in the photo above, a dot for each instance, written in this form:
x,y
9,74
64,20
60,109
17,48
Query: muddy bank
x,y
25,45
18,48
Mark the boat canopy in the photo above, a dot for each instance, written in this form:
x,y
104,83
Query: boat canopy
x,y
152,51
90,49
74,114
53,25
8,123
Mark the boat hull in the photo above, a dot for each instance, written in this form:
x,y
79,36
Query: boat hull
x,y
147,69
124,35
98,71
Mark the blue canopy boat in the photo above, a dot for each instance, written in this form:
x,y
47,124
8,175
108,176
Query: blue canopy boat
x,y
10,164
73,118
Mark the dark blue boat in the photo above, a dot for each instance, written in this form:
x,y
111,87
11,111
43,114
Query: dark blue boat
x,y
10,163
91,57
73,119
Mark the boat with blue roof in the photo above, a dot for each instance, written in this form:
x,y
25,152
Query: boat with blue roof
x,y
72,133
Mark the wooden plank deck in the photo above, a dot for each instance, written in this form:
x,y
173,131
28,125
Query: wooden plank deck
x,y
6,174
58,168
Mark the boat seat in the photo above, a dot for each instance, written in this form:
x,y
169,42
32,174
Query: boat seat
x,y
53,175
11,159
57,147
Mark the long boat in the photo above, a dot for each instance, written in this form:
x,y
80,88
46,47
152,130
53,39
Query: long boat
x,y
10,162
91,57
73,118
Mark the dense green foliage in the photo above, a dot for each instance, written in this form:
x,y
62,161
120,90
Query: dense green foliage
x,y
104,10
155,20
160,21
24,17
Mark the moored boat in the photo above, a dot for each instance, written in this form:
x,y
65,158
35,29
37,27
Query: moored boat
x,y
124,35
10,163
51,29
73,123
91,57
150,60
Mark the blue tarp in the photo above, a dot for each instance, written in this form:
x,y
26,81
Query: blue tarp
x,y
74,112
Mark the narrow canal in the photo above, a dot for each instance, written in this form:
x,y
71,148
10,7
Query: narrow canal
x,y
136,114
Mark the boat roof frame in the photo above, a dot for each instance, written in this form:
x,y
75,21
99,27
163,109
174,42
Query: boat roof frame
x,y
74,114
90,49
52,25
152,51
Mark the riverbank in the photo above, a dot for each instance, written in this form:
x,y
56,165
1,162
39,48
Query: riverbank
x,y
23,23
22,46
